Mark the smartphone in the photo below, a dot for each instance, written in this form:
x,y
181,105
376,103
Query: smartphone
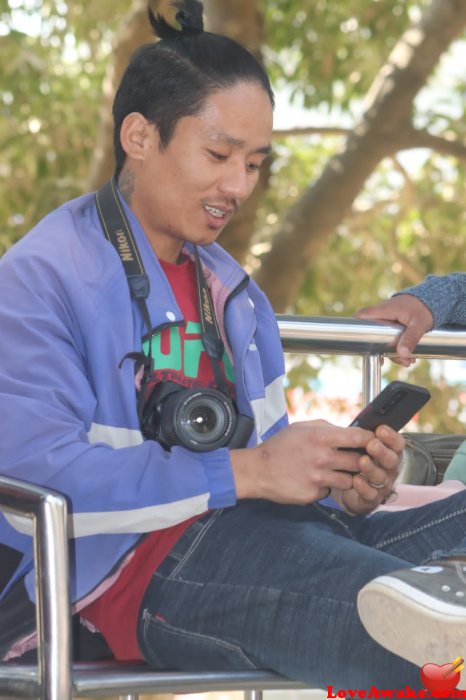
x,y
394,406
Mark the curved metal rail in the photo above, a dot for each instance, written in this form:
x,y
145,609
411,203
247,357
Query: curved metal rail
x,y
334,335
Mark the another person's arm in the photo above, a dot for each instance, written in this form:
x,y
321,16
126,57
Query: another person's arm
x,y
436,301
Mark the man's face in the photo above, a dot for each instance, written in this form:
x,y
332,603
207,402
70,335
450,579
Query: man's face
x,y
190,189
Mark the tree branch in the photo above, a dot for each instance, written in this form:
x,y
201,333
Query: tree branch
x,y
134,31
310,131
421,138
384,126
411,138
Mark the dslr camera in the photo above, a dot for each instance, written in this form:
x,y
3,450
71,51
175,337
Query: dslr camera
x,y
200,419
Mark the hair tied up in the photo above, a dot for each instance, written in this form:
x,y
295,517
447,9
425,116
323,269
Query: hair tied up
x,y
189,16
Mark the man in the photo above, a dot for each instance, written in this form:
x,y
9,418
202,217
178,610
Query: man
x,y
185,554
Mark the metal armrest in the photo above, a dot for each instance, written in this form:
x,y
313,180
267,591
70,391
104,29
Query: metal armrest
x,y
56,678
48,510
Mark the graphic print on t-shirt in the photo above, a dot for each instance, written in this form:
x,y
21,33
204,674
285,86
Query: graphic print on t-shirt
x,y
179,356
177,351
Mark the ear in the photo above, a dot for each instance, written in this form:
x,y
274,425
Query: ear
x,y
137,135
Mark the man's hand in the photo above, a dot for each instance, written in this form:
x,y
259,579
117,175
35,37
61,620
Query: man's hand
x,y
408,310
305,461
378,471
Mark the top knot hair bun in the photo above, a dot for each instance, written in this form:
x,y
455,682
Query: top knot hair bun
x,y
189,17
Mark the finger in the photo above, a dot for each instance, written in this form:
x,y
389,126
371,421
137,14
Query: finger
x,y
400,361
380,482
379,479
378,312
368,493
323,492
409,339
390,438
403,361
377,471
352,438
341,480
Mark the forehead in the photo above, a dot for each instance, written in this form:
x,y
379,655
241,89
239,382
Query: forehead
x,y
241,115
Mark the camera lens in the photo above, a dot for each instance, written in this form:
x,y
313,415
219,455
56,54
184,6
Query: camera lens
x,y
199,419
202,420
205,420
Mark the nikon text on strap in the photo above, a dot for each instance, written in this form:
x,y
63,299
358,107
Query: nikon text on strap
x,y
118,231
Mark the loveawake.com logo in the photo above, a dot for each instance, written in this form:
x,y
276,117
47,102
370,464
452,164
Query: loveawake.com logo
x,y
381,693
438,682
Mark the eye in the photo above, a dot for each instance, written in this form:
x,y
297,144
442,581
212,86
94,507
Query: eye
x,y
253,167
217,156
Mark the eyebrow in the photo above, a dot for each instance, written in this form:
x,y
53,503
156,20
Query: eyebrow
x,y
232,141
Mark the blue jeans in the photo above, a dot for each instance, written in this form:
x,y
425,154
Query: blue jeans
x,y
269,586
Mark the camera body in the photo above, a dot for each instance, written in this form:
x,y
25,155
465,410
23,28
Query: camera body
x,y
200,419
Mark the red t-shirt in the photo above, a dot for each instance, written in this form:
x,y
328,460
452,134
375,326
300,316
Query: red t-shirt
x,y
178,356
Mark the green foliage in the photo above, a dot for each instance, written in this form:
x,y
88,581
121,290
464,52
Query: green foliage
x,y
328,52
393,239
297,162
53,57
407,222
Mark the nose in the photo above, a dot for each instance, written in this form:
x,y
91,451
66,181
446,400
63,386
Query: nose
x,y
235,182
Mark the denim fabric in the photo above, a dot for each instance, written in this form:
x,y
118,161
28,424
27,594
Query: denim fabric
x,y
262,585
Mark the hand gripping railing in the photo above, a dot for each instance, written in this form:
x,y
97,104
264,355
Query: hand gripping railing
x,y
373,341
55,678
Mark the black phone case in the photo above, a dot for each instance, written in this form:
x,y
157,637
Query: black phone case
x,y
394,406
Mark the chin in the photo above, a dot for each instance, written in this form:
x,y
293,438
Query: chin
x,y
209,238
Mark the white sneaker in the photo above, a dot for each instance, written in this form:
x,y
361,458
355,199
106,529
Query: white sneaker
x,y
419,613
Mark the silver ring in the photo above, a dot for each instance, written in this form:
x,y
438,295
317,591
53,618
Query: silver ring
x,y
378,486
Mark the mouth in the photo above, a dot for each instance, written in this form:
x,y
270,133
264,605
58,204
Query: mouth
x,y
216,211
217,216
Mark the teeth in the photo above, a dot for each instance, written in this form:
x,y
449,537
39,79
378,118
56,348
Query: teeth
x,y
215,212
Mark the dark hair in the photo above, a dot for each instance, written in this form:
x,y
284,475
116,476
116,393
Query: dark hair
x,y
173,77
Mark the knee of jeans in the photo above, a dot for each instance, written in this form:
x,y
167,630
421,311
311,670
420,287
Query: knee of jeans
x,y
165,646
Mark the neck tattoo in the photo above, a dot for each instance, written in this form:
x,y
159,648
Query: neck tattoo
x,y
126,185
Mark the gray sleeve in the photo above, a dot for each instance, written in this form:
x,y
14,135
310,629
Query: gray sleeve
x,y
444,295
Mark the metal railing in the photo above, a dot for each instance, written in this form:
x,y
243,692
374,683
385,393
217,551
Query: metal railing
x,y
372,341
48,511
55,679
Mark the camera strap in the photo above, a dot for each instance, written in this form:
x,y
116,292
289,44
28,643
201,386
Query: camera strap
x,y
118,231
210,332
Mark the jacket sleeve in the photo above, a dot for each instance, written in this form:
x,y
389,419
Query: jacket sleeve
x,y
48,403
444,295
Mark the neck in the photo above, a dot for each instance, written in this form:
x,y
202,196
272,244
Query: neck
x,y
169,253
125,184
181,258
165,247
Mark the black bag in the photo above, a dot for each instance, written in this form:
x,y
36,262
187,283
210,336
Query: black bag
x,y
426,457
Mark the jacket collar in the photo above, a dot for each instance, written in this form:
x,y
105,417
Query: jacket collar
x,y
223,274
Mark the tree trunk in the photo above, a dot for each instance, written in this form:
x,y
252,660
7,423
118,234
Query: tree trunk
x,y
240,20
385,127
134,32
